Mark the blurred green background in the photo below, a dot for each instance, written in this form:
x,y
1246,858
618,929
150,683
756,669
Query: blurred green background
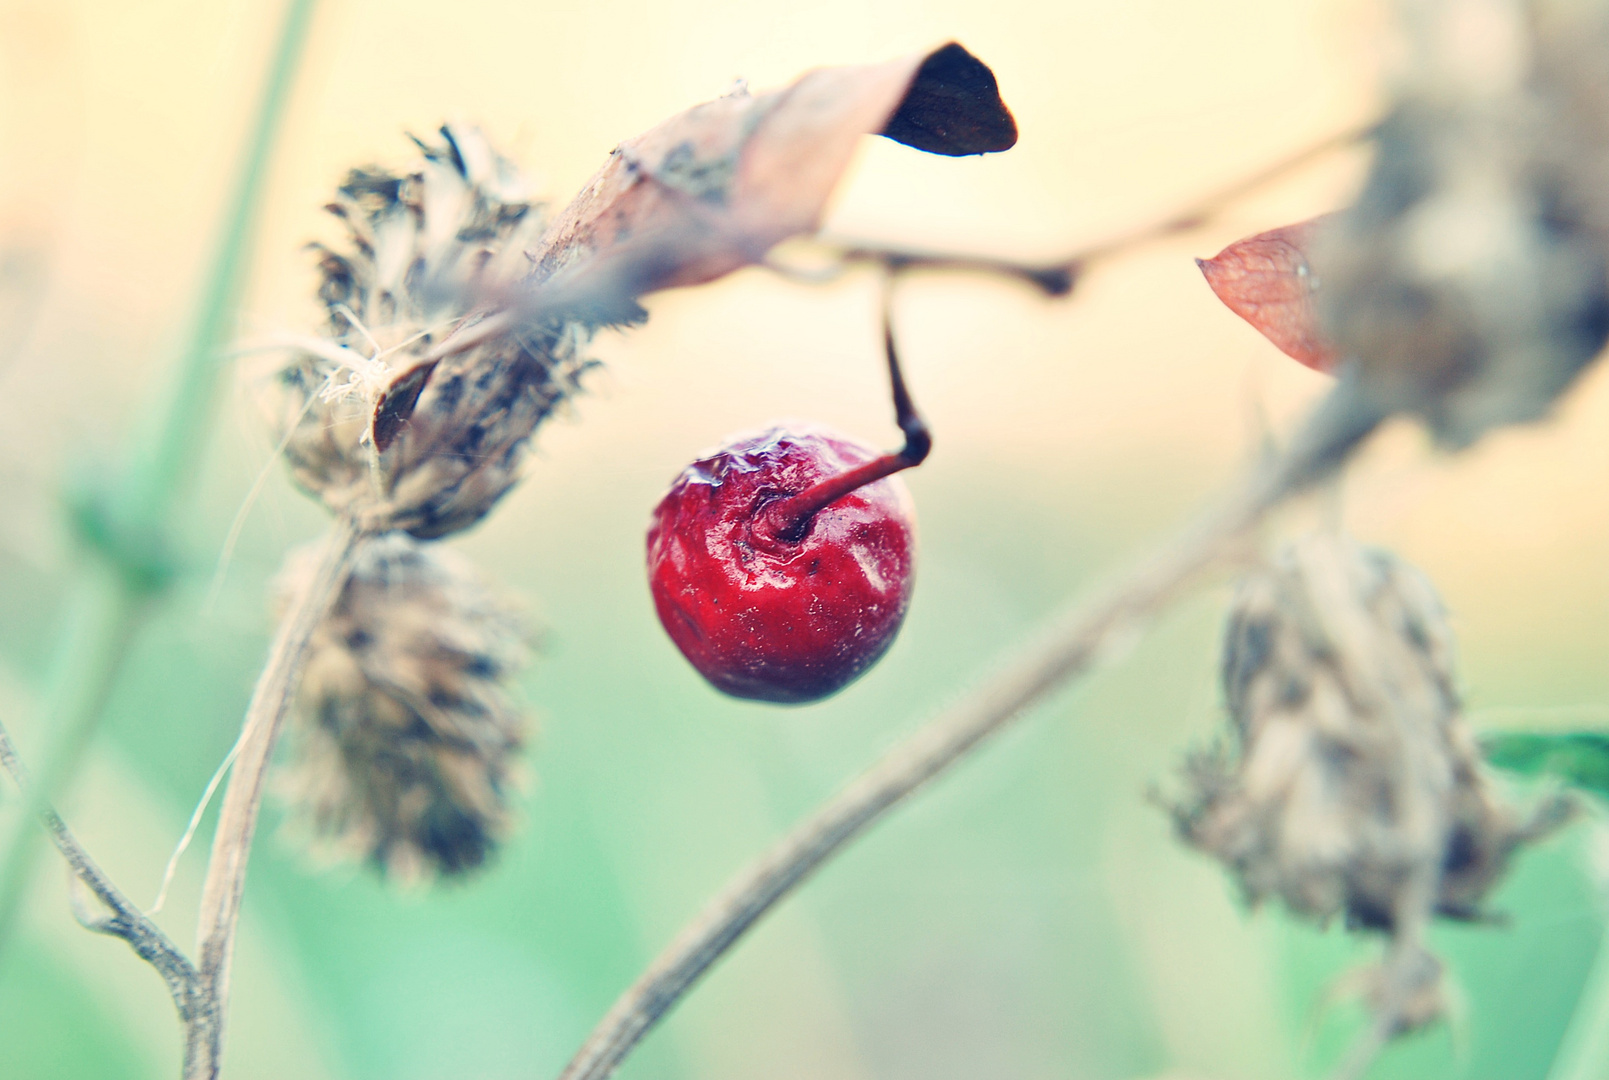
x,y
1028,917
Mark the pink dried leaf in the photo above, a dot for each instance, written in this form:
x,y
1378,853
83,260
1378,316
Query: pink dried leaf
x,y
1266,280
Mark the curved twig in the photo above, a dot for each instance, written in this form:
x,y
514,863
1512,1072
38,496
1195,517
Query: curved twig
x,y
1068,647
126,920
237,819
1057,277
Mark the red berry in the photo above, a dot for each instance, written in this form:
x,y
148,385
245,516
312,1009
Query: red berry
x,y
769,602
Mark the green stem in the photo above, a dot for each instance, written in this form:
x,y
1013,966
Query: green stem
x,y
166,461
124,530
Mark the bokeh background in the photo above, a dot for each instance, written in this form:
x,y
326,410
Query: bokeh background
x,y
1031,915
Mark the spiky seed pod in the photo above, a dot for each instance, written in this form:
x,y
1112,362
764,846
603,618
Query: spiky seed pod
x,y
420,245
406,737
1352,785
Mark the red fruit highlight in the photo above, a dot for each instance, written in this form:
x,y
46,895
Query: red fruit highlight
x,y
1266,280
767,606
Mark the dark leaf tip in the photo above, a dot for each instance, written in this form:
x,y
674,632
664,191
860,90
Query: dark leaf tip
x,y
953,107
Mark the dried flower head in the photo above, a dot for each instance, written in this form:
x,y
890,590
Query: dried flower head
x,y
1351,785
420,246
1353,780
406,736
1470,283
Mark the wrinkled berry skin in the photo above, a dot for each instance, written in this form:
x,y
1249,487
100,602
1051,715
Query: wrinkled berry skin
x,y
767,618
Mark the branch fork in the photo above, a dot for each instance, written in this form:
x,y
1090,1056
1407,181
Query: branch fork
x,y
200,991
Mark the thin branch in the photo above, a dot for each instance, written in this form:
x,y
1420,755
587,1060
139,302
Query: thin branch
x,y
1055,278
126,920
237,819
1059,277
1069,646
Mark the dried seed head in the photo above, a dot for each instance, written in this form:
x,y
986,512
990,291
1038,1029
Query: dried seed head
x,y
1470,283
406,736
423,448
1351,785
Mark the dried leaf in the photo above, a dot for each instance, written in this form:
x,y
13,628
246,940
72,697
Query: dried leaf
x,y
1266,280
733,177
713,189
952,107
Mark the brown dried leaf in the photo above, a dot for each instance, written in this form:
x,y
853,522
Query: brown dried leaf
x,y
712,189
732,177
1266,280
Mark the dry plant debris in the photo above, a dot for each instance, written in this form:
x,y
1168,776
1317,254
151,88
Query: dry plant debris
x,y
714,188
418,243
405,743
1351,786
1469,284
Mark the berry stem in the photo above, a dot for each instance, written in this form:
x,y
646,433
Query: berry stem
x,y
789,519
